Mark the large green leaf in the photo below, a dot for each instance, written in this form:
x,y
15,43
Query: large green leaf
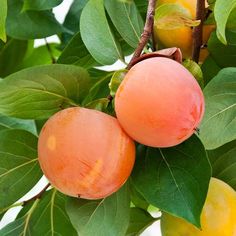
x,y
139,221
219,123
46,216
76,53
30,24
39,92
14,123
19,169
97,35
222,11
106,217
3,16
223,161
126,19
224,55
11,56
39,5
174,180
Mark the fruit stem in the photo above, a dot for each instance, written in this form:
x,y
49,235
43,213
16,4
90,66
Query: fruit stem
x,y
147,32
197,31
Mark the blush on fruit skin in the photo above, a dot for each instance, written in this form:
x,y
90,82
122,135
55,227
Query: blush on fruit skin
x,y
159,103
85,153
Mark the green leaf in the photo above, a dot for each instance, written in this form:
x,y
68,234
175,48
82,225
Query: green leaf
x,y
139,221
126,19
72,19
222,11
116,80
231,24
3,16
174,180
19,169
99,104
47,216
39,5
209,69
14,123
173,16
219,123
137,199
100,89
76,53
38,92
14,228
11,56
33,58
195,70
106,217
223,161
141,5
224,55
30,24
97,35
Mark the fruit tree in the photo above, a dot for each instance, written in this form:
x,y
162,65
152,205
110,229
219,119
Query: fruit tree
x,y
113,149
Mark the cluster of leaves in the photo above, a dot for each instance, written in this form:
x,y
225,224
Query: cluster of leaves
x,y
94,33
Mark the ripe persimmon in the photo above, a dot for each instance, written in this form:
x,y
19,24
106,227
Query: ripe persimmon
x,y
85,153
218,217
159,103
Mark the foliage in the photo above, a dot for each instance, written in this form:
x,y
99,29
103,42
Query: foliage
x,y
37,82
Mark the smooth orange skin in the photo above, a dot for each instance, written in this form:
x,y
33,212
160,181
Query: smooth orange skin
x,y
218,217
181,37
159,103
85,153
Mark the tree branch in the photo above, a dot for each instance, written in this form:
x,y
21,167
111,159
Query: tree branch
x,y
50,51
37,196
147,32
197,31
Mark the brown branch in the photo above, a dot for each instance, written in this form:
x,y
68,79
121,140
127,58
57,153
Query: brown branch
x,y
147,32
37,196
197,31
53,59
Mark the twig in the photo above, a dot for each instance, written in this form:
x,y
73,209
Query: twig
x,y
147,32
37,196
50,51
154,43
197,31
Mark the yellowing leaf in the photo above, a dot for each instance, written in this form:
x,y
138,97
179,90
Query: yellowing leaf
x,y
173,16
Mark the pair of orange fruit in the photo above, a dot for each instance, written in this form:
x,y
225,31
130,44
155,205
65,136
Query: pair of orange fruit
x,y
90,154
